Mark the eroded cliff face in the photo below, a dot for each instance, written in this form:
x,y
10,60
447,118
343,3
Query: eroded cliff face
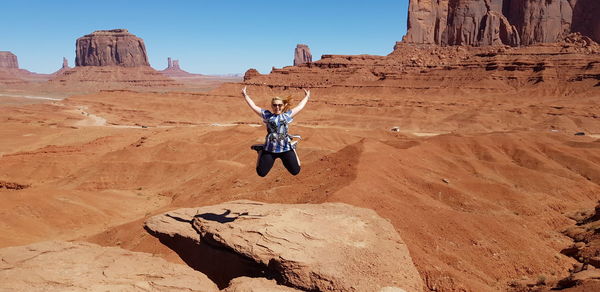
x,y
500,22
562,68
115,47
586,18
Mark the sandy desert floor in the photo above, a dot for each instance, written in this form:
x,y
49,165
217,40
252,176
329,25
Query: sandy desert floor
x,y
478,186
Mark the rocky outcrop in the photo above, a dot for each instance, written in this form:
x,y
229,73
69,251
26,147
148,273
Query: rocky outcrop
x,y
302,55
12,185
8,60
497,22
585,249
70,266
325,247
251,73
115,47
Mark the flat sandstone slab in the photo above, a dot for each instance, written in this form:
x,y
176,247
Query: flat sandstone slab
x,y
324,247
78,266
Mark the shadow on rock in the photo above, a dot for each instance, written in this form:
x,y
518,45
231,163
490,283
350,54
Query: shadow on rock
x,y
219,264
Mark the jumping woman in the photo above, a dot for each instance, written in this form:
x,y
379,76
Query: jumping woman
x,y
278,143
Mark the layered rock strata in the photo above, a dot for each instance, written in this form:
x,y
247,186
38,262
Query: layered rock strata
x,y
325,247
69,266
115,47
112,77
302,55
493,22
568,66
7,78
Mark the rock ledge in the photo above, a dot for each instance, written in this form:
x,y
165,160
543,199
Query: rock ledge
x,y
324,247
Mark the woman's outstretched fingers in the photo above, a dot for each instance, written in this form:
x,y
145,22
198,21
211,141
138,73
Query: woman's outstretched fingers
x,y
244,91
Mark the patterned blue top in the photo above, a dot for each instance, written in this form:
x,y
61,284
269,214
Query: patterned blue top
x,y
277,139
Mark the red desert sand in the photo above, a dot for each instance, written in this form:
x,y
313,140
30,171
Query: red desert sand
x,y
480,166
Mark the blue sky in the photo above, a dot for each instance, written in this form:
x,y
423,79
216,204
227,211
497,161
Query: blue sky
x,y
208,37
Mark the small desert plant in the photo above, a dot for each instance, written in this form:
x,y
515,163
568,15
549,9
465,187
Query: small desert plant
x,y
541,280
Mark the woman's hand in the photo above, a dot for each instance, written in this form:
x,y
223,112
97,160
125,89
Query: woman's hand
x,y
244,93
306,93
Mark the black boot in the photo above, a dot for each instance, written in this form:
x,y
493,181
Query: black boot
x,y
257,147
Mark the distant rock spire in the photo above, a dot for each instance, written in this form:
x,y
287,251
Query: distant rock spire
x,y
302,55
65,67
172,64
173,70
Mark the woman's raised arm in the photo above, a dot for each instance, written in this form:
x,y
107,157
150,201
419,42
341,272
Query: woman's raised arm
x,y
302,103
251,103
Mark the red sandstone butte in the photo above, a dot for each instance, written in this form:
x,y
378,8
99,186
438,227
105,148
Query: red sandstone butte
x,y
116,47
111,59
8,60
497,22
251,73
302,55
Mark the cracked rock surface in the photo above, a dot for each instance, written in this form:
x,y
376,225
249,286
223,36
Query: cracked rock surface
x,y
321,247
78,266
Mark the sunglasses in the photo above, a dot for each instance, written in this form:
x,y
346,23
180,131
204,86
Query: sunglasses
x,y
277,104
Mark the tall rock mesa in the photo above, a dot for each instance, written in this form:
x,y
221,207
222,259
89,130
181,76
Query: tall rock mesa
x,y
500,22
115,47
302,55
8,60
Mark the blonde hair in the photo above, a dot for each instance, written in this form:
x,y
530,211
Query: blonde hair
x,y
287,102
